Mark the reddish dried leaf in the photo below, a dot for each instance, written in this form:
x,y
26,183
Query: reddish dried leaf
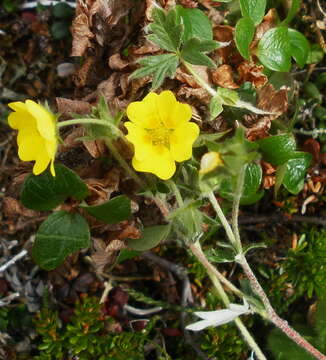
x,y
223,76
224,33
275,101
252,73
313,147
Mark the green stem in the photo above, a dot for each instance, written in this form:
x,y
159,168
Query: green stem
x,y
213,274
222,218
177,193
88,121
211,91
236,205
199,79
123,163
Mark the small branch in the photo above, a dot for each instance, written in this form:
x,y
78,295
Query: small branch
x,y
314,133
12,261
186,297
142,312
8,299
208,266
280,218
211,271
274,318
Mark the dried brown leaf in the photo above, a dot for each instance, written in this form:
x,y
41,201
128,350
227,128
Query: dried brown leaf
x,y
12,208
68,107
252,73
200,94
81,33
96,148
223,76
272,100
224,33
116,63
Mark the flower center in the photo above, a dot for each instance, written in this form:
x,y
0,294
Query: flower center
x,y
160,136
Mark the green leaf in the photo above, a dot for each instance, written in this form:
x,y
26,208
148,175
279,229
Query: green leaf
x,y
126,254
253,9
244,33
194,51
203,138
277,149
295,6
167,31
299,47
112,211
62,11
160,66
296,169
274,50
220,255
316,54
229,97
45,192
252,181
280,173
196,24
59,235
151,237
253,246
215,107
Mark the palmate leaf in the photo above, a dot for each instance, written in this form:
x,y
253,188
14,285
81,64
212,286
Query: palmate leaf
x,y
160,66
167,30
194,51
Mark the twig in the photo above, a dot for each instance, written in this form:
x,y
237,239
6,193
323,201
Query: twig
x,y
13,260
142,312
274,318
281,218
314,133
186,297
7,300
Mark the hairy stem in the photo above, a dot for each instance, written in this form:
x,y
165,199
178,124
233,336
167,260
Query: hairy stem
x,y
199,79
215,278
236,205
222,218
274,318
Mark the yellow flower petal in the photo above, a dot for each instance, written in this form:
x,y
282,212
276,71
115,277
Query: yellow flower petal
x,y
144,113
41,163
210,161
36,138
18,106
44,119
140,139
172,113
161,133
30,145
18,120
159,162
182,139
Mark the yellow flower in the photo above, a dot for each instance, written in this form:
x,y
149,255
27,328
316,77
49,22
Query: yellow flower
x,y
161,133
210,161
37,138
